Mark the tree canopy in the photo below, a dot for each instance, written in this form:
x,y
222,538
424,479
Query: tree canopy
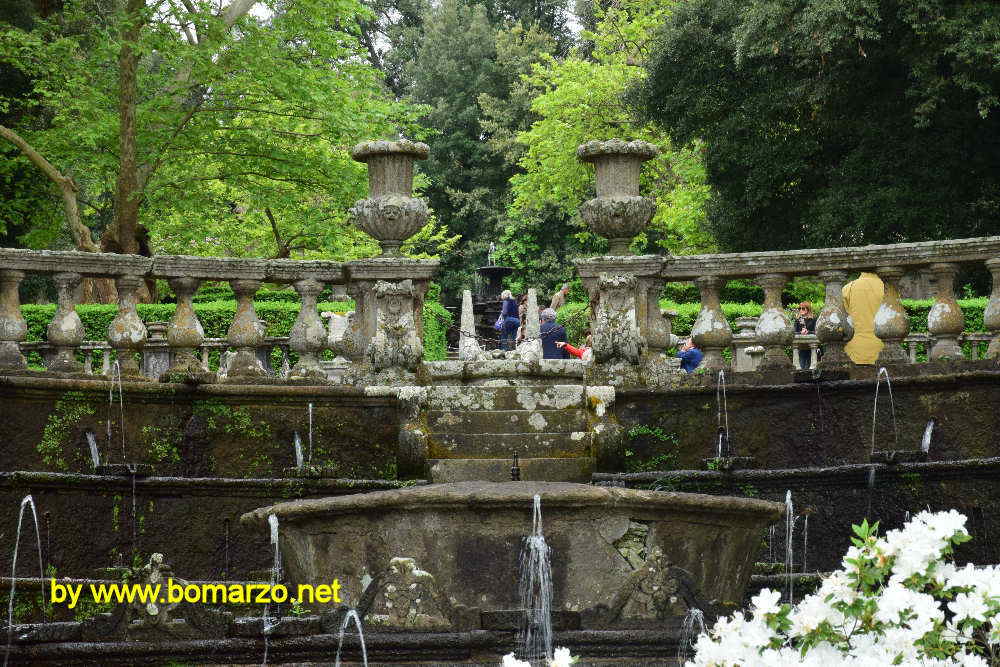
x,y
832,124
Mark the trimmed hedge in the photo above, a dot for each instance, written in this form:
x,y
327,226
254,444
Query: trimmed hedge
x,y
216,316
574,316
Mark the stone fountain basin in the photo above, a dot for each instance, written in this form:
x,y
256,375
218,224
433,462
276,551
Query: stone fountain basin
x,y
468,535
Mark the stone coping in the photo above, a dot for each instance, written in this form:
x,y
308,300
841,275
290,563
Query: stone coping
x,y
513,495
814,260
850,475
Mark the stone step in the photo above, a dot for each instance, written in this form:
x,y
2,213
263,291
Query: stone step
x,y
503,445
567,420
498,470
463,398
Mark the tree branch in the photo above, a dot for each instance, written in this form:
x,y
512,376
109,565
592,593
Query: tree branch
x,y
67,188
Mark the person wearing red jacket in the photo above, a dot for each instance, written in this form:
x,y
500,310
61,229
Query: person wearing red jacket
x,y
577,352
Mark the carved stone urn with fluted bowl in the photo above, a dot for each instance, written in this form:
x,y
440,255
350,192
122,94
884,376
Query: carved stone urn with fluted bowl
x,y
390,214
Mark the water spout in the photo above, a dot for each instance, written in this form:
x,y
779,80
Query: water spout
x,y
535,639
310,433
25,502
789,548
299,459
116,380
694,618
805,541
95,455
349,616
871,490
882,372
722,415
925,441
272,622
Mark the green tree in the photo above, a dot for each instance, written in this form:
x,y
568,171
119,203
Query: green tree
x,y
204,122
577,99
835,123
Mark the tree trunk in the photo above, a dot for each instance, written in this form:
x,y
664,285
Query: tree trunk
x,y
128,196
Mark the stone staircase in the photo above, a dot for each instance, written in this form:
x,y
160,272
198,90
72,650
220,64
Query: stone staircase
x,y
474,431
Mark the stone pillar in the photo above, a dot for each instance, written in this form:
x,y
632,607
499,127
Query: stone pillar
x,y
945,320
390,214
396,346
774,329
308,335
618,213
66,331
991,316
13,328
891,323
126,333
710,331
834,328
246,333
531,348
155,353
185,335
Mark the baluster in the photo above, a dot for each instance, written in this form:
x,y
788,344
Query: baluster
x,y
204,352
991,316
891,323
127,333
66,331
813,354
13,328
774,329
308,335
945,320
711,332
246,333
105,361
834,328
185,335
911,351
88,362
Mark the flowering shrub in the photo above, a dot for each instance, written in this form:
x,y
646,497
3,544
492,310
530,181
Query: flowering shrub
x,y
560,658
898,600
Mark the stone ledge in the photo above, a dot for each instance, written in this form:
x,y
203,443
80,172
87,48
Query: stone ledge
x,y
498,470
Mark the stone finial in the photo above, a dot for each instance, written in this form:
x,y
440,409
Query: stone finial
x,y
991,316
246,333
468,346
774,329
834,328
944,319
618,213
531,348
711,331
66,331
185,335
390,214
13,328
127,333
308,335
891,323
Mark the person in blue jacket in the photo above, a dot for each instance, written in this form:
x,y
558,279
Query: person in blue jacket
x,y
551,333
510,320
690,355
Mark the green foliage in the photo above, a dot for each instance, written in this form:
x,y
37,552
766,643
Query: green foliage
x,y
662,455
829,124
71,407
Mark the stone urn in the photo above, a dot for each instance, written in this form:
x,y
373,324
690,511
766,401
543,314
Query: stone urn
x,y
618,213
390,214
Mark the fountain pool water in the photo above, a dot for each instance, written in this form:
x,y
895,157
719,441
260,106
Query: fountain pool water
x,y
535,640
351,615
27,501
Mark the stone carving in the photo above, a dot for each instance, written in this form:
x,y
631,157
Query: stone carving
x,y
396,344
891,323
774,329
710,331
341,339
66,331
308,335
391,214
408,597
126,333
652,591
991,316
632,545
13,328
615,327
834,328
945,320
618,213
185,335
246,333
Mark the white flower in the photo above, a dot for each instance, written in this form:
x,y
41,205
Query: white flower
x,y
766,602
561,658
510,661
968,606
